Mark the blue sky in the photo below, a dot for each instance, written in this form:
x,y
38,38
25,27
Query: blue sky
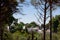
x,y
30,11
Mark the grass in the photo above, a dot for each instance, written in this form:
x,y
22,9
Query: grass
x,y
24,36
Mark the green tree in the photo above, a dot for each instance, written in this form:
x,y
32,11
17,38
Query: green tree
x,y
48,5
59,27
20,26
33,24
56,21
8,7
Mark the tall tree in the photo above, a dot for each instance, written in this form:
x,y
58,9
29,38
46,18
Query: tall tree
x,y
8,7
51,4
48,5
43,6
56,23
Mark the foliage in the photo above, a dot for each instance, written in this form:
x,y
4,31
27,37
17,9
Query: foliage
x,y
16,27
6,34
59,28
20,26
56,23
18,35
12,29
33,24
8,7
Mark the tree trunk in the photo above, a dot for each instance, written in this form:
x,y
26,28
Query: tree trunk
x,y
1,31
32,35
50,19
45,18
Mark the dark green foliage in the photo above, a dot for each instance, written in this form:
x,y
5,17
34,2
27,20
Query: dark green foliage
x,y
11,19
12,29
33,24
8,7
21,25
56,23
15,22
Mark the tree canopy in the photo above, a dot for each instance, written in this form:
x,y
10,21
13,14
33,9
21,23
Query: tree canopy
x,y
56,23
8,7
